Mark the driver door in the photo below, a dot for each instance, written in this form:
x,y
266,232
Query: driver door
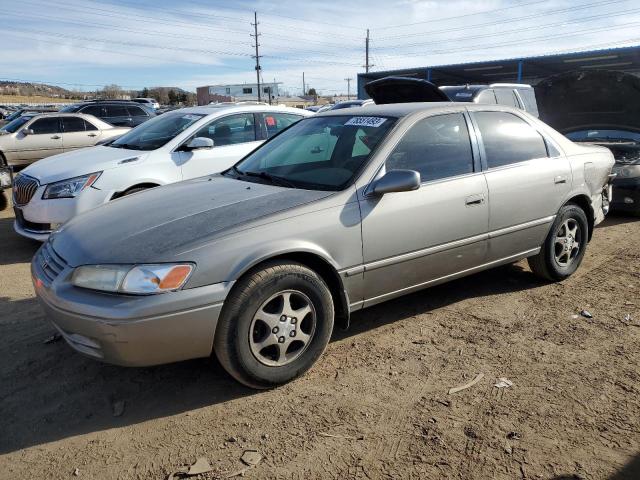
x,y
234,136
46,139
411,239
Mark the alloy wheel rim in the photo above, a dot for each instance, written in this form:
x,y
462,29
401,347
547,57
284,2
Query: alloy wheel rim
x,y
567,242
282,328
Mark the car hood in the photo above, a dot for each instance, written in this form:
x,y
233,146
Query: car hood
x,y
600,99
79,162
159,224
404,90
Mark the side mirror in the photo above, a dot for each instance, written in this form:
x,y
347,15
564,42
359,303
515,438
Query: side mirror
x,y
397,181
27,131
199,143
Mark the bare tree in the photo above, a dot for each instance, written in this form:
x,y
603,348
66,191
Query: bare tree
x,y
111,92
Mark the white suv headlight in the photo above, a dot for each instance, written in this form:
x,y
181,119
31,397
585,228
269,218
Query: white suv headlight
x,y
71,187
137,279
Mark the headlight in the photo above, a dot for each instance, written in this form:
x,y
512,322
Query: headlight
x,y
627,171
138,279
71,187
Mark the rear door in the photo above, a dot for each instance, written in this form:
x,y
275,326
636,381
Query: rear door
x,y
118,115
75,134
137,115
233,137
528,180
273,122
46,139
411,239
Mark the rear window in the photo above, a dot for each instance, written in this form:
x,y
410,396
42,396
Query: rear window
x,y
505,96
116,111
95,110
508,139
528,96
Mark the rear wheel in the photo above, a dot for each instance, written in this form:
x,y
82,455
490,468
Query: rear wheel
x,y
275,324
564,247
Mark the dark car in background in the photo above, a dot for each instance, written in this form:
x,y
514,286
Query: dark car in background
x,y
119,113
22,111
600,107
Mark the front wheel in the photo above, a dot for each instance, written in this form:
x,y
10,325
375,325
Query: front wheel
x,y
275,324
564,247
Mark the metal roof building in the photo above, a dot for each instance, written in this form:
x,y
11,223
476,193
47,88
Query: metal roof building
x,y
529,70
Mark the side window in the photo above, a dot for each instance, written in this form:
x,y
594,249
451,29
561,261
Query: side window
x,y
72,124
505,96
88,126
95,110
436,147
136,111
46,125
274,122
116,111
528,96
508,139
487,97
230,130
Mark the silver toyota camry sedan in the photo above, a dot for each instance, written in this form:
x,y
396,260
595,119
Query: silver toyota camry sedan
x,y
339,212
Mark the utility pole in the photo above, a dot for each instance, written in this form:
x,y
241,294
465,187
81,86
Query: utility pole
x,y
257,56
303,85
348,80
367,66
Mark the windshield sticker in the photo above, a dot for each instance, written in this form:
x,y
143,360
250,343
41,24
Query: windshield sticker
x,y
191,117
366,121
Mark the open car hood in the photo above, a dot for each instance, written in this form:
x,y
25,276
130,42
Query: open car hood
x,y
404,90
599,99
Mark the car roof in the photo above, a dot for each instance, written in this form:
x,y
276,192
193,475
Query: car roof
x,y
225,108
390,109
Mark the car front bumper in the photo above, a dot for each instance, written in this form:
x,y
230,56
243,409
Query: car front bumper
x,y
626,195
128,330
39,217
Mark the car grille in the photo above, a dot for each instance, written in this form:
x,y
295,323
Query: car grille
x,y
23,189
49,263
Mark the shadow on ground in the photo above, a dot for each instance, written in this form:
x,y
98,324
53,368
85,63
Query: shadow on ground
x,y
13,248
49,392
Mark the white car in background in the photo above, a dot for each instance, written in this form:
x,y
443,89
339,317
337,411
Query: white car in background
x,y
33,136
175,146
152,103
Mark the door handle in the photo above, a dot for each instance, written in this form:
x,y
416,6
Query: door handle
x,y
560,179
55,137
92,135
474,200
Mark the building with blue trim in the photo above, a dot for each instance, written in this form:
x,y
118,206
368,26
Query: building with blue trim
x,y
529,70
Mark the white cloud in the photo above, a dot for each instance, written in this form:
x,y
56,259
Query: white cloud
x,y
198,42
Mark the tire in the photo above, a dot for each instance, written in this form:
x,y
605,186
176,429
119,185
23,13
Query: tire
x,y
4,202
131,191
559,259
252,316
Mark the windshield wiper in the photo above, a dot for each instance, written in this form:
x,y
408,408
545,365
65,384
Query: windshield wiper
x,y
274,179
125,145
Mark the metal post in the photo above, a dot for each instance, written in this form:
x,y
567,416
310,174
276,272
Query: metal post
x,y
520,65
348,88
366,61
257,56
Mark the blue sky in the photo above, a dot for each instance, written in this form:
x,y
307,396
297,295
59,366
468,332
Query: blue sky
x,y
85,44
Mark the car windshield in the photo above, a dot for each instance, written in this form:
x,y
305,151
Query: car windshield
x,y
319,153
15,125
604,136
157,132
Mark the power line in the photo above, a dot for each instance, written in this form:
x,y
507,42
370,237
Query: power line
x,y
513,42
500,22
442,19
514,30
113,27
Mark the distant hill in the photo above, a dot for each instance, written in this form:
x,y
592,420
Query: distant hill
x,y
35,89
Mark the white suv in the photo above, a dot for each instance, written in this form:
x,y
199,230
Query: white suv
x,y
177,145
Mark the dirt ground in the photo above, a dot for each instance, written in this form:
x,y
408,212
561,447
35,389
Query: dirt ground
x,y
375,406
